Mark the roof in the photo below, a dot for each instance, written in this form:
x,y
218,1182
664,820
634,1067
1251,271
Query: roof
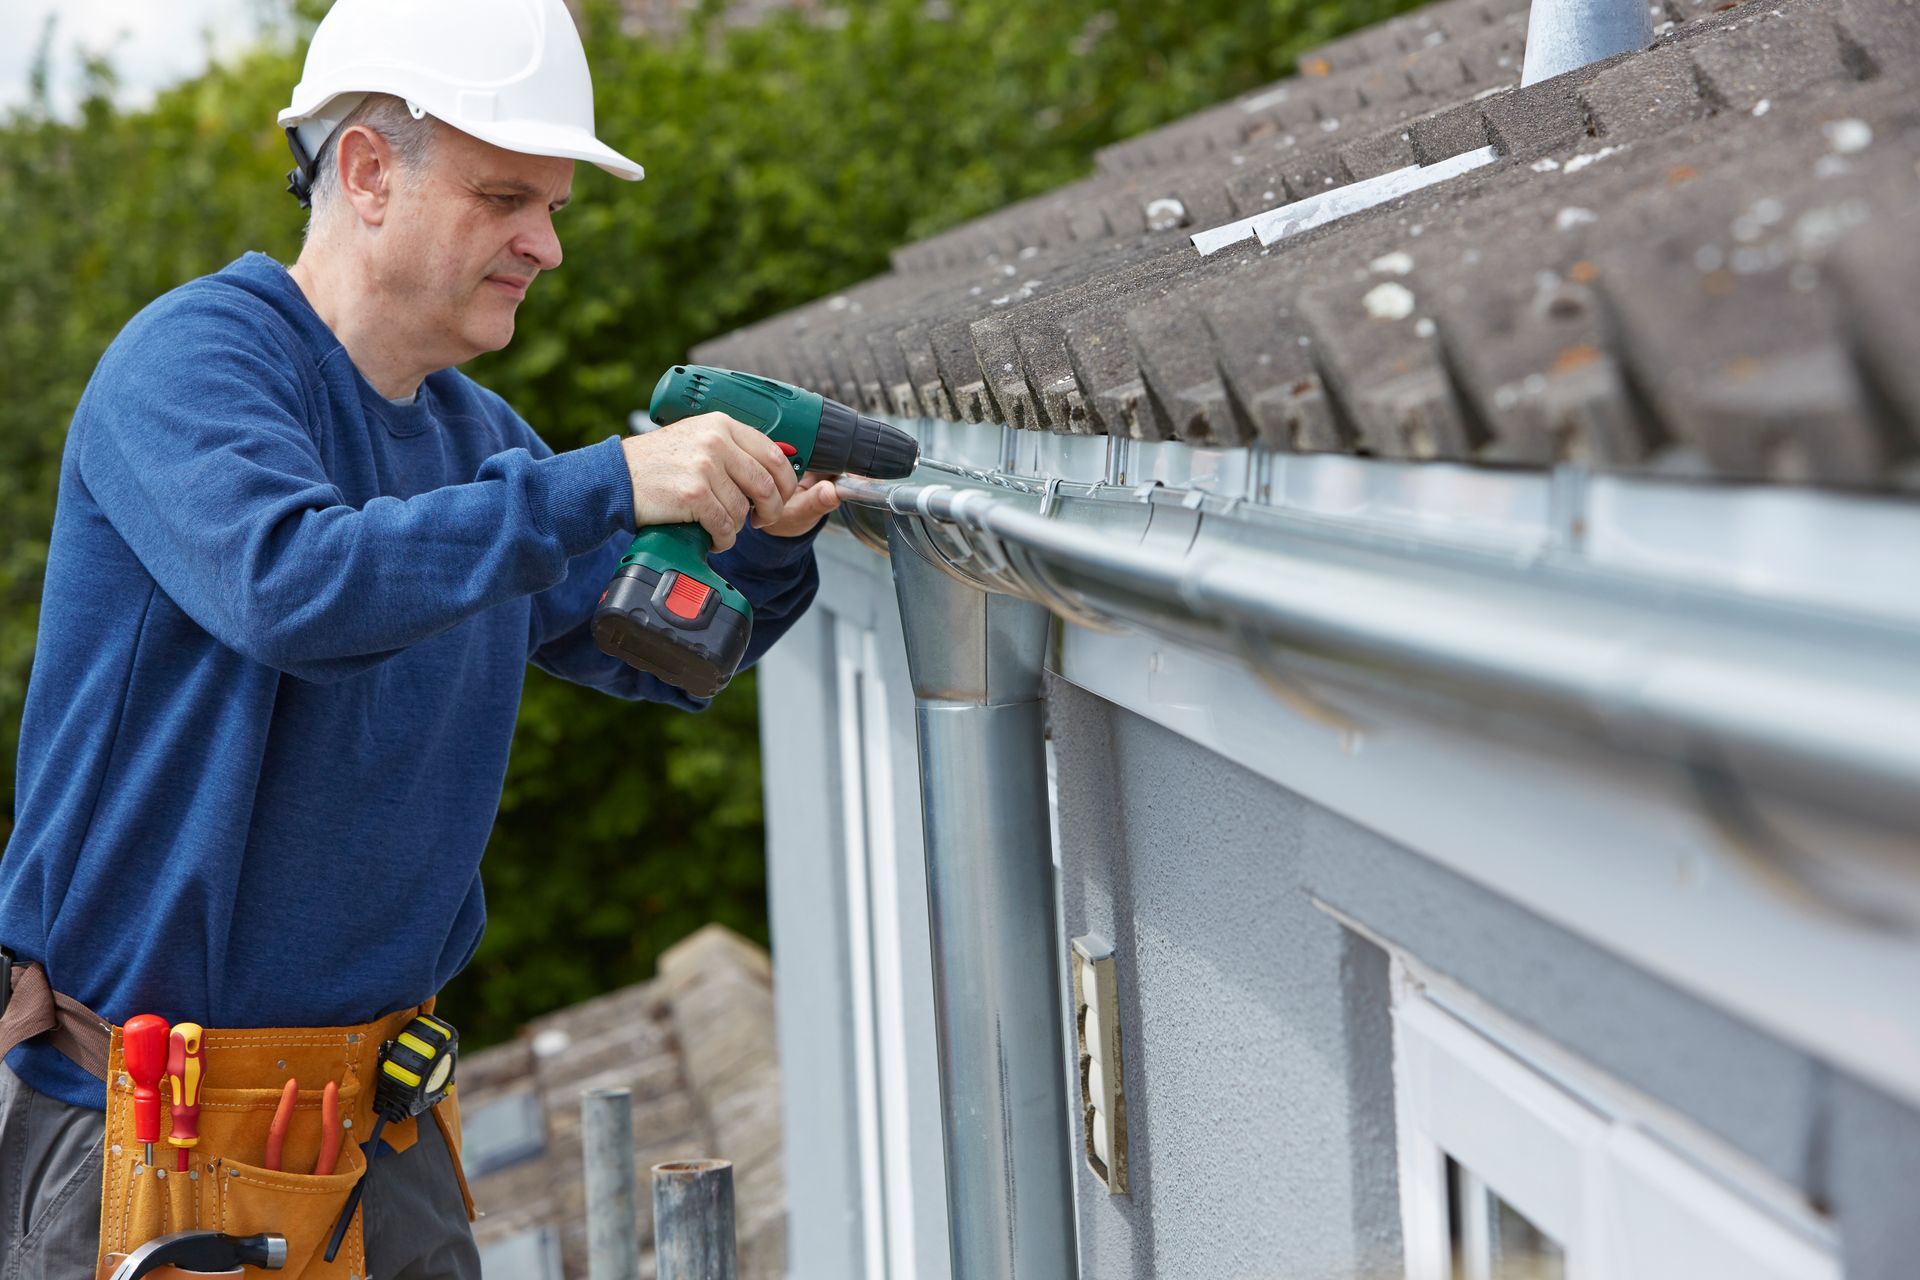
x,y
696,1047
1692,260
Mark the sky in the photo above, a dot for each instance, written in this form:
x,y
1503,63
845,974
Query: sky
x,y
153,43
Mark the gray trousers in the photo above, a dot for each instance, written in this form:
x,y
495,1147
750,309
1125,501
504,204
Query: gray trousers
x,y
50,1170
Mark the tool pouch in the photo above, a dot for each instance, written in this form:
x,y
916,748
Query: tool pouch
x,y
225,1187
112,1260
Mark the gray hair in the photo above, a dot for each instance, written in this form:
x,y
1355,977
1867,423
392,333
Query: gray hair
x,y
410,136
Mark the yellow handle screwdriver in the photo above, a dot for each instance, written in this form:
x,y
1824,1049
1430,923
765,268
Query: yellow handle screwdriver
x,y
184,1074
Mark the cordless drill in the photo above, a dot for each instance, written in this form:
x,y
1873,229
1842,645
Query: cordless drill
x,y
666,611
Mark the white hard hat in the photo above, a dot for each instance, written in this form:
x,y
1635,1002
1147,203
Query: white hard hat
x,y
509,72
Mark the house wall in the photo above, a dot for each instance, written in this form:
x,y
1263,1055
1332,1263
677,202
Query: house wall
x,y
811,940
1255,1027
866,1184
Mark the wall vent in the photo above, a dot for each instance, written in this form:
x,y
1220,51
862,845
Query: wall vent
x,y
1103,1101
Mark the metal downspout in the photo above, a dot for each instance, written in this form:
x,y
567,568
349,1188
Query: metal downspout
x,y
975,659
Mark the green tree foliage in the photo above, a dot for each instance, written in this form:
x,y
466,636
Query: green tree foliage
x,y
785,159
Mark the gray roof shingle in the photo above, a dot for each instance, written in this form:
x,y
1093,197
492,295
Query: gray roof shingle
x,y
1696,260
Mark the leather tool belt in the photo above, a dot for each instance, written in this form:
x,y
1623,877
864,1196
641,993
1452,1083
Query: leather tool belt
x,y
226,1188
29,1008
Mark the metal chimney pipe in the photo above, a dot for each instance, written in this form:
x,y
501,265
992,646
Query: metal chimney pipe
x,y
606,1139
693,1223
975,659
1565,34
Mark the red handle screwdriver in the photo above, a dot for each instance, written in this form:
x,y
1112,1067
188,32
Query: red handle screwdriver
x,y
143,1042
184,1073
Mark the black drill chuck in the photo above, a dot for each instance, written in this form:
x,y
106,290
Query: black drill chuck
x,y
853,442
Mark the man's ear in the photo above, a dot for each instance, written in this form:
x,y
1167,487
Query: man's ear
x,y
366,172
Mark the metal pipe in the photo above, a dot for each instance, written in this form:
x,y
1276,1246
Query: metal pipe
x,y
1816,707
1563,35
606,1139
975,659
693,1229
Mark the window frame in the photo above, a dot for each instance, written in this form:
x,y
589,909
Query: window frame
x,y
1628,1188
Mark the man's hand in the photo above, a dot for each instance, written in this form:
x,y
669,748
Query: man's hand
x,y
815,497
716,472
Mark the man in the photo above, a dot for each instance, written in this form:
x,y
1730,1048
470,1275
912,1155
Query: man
x,y
298,567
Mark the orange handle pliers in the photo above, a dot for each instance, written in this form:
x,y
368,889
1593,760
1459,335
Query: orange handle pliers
x,y
282,1118
330,1131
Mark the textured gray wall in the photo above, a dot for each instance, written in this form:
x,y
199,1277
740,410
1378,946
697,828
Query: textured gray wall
x,y
1257,1038
1255,1029
1872,1153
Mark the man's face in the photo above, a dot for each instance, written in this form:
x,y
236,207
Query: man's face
x,y
464,240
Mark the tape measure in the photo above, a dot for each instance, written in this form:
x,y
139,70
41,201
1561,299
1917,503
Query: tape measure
x,y
416,1069
415,1072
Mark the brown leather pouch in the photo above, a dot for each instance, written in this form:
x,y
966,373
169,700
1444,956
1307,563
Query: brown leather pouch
x,y
226,1186
112,1260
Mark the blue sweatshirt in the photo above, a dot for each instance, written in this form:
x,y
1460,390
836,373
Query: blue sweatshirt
x,y
282,640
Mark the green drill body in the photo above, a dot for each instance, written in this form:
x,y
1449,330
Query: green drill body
x,y
667,611
787,414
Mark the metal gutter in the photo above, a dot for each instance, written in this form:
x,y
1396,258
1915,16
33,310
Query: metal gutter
x,y
1735,693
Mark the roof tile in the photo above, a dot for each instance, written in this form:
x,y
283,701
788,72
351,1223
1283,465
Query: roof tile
x,y
1550,306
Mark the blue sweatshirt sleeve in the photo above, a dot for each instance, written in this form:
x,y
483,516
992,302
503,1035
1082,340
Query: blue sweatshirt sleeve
x,y
199,449
778,576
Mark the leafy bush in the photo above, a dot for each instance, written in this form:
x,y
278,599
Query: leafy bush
x,y
785,159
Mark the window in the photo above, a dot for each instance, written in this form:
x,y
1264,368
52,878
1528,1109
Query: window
x,y
876,965
502,1132
1519,1162
1491,1239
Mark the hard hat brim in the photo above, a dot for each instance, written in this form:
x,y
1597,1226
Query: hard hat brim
x,y
529,137
541,138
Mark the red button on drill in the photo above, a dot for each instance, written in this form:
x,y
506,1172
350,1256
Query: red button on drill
x,y
686,597
786,448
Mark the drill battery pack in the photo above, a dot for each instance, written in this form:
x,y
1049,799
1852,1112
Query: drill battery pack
x,y
673,625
